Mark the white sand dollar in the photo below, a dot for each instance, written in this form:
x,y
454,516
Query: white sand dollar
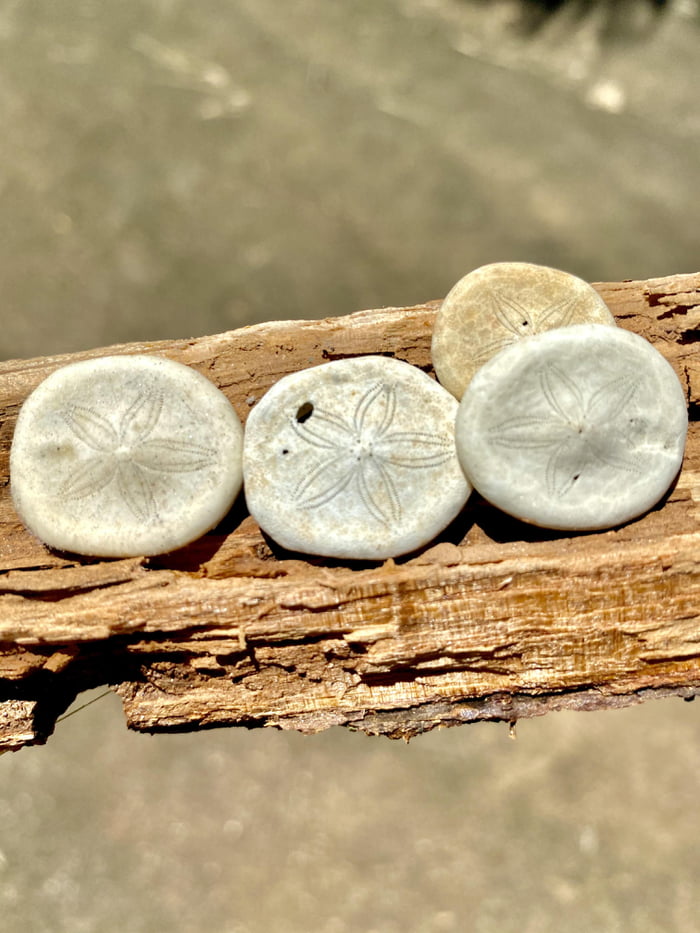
x,y
125,455
354,459
580,428
500,303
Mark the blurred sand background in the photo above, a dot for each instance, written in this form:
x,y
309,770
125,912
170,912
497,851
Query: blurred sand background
x,y
173,168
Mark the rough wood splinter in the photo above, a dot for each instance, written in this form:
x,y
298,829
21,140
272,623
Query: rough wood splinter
x,y
494,620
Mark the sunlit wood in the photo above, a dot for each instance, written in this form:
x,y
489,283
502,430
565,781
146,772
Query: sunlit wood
x,y
495,620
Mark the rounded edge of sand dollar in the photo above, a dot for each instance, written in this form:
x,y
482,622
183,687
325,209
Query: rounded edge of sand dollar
x,y
124,456
354,459
500,303
576,429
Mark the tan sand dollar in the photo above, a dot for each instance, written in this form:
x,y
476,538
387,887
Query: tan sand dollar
x,y
125,455
499,304
579,428
354,459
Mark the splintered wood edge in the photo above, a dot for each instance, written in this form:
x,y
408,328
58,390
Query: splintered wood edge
x,y
494,620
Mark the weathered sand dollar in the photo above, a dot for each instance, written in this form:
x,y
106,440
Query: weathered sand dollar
x,y
498,304
580,428
125,455
354,459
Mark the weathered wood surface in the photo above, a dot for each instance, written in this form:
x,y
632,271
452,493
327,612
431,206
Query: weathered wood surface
x,y
495,620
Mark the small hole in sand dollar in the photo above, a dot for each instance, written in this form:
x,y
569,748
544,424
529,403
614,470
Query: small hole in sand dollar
x,y
304,412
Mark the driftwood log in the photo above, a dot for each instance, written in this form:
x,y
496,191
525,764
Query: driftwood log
x,y
495,620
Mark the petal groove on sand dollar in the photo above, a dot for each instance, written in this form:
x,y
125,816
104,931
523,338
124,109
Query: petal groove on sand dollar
x,y
497,305
125,455
354,459
580,428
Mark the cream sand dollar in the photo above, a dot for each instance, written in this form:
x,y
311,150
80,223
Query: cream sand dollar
x,y
354,459
497,305
580,428
125,455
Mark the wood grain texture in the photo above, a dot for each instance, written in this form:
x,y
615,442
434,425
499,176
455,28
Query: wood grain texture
x,y
494,620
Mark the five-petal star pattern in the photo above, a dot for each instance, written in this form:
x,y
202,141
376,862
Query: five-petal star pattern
x,y
519,320
363,452
576,428
127,456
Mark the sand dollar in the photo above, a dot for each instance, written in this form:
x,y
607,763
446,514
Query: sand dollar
x,y
499,304
354,459
125,455
580,428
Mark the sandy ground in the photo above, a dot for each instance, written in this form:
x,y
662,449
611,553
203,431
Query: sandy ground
x,y
170,169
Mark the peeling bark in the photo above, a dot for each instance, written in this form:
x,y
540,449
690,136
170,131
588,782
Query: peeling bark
x,y
494,620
